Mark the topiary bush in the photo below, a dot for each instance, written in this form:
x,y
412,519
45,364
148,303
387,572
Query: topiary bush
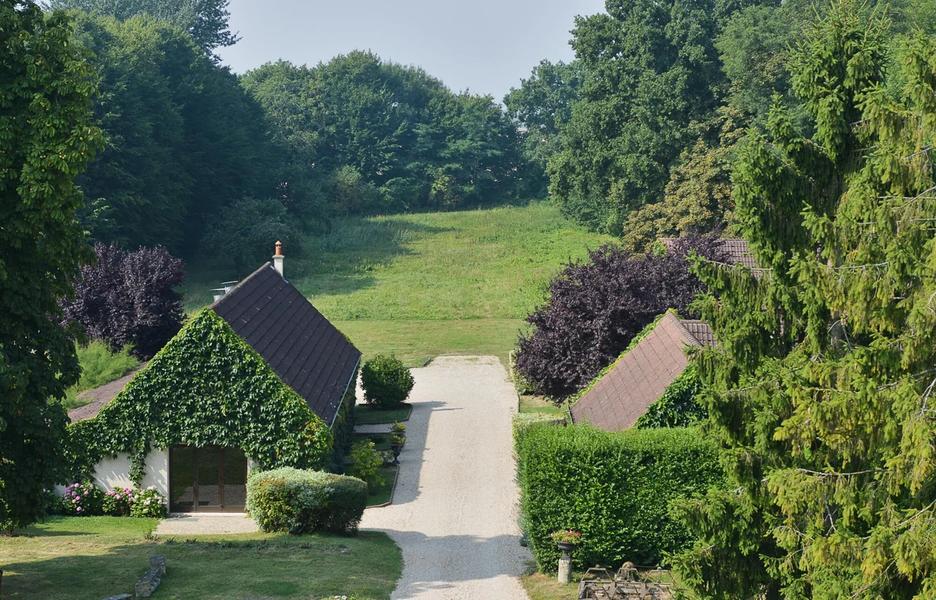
x,y
616,488
298,501
386,381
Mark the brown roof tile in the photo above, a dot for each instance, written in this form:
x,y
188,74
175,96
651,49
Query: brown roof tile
x,y
640,376
700,330
98,398
737,252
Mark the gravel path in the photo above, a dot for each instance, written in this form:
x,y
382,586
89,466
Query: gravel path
x,y
454,512
205,524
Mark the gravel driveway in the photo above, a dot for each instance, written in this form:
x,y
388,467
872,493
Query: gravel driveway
x,y
454,513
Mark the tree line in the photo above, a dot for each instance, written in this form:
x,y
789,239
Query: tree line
x,y
196,157
640,131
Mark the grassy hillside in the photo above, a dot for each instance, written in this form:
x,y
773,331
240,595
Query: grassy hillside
x,y
98,366
421,285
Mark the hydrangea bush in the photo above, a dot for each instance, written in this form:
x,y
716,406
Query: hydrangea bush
x,y
87,500
83,500
148,503
117,502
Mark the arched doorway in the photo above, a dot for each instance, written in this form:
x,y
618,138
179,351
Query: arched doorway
x,y
212,478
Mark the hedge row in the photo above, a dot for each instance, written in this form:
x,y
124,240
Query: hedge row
x,y
299,501
616,488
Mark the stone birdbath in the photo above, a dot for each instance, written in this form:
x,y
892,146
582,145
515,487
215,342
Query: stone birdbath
x,y
566,540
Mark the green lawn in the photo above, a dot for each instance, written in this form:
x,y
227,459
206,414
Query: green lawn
x,y
370,415
98,366
78,558
420,285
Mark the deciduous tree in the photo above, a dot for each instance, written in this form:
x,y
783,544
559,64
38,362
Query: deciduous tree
x,y
183,138
47,138
205,20
595,309
128,298
650,68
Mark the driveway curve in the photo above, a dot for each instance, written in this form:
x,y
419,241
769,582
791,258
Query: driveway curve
x,y
454,512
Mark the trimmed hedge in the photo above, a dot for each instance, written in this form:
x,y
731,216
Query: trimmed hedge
x,y
616,488
298,501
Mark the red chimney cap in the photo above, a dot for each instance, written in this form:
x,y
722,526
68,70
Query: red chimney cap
x,y
279,249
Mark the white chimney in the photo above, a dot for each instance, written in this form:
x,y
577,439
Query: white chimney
x,y
278,259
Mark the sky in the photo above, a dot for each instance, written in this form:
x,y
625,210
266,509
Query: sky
x,y
485,46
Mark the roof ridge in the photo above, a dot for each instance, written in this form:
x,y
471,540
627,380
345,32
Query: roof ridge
x,y
240,284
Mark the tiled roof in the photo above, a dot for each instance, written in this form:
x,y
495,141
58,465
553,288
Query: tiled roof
x,y
700,330
99,397
736,251
307,352
640,376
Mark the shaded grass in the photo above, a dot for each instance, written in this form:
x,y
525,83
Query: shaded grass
x,y
94,557
421,285
381,494
98,366
365,414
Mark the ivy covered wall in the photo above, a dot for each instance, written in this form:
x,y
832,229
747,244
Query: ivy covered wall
x,y
206,387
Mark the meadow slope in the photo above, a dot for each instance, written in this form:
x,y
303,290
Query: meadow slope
x,y
426,284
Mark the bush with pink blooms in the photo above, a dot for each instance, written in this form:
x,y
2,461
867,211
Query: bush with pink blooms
x,y
87,500
83,499
117,502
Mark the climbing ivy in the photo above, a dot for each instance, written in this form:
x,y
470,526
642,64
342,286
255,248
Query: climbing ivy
x,y
205,387
677,406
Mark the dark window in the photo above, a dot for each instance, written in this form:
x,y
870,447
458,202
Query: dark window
x,y
207,479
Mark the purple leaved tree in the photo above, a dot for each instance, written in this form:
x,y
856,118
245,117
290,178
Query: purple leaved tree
x,y
595,309
127,297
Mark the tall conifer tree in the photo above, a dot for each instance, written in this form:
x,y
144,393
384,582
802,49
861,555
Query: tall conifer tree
x,y
821,387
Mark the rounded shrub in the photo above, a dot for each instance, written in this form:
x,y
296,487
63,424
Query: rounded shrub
x,y
387,382
298,501
117,502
